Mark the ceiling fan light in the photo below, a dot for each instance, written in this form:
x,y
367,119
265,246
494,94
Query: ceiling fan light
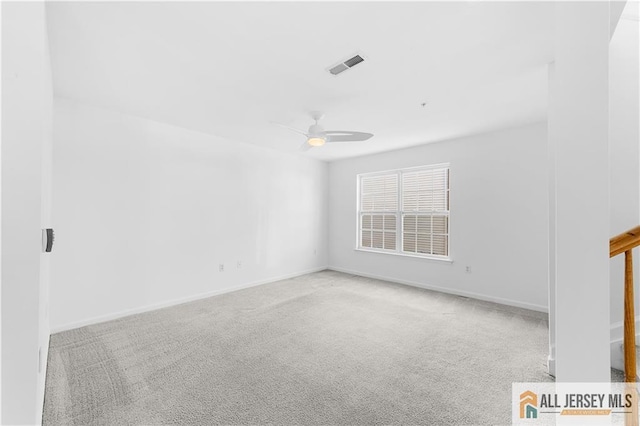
x,y
316,141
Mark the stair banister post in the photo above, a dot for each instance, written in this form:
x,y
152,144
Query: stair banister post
x,y
630,338
629,320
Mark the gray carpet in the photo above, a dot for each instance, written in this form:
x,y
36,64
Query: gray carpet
x,y
325,348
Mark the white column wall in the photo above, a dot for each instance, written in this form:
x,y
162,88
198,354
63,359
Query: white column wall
x,y
579,133
26,139
551,156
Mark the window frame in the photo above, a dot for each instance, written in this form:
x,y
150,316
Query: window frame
x,y
399,213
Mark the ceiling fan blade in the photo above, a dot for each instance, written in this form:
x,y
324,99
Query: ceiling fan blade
x,y
346,136
293,129
305,146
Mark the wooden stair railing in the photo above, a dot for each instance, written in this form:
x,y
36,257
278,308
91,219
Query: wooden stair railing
x,y
624,243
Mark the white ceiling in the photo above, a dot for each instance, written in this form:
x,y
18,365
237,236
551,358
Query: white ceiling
x,y
230,68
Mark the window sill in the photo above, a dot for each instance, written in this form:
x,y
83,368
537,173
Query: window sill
x,y
414,256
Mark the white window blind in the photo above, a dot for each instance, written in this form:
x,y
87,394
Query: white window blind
x,y
405,211
425,212
378,219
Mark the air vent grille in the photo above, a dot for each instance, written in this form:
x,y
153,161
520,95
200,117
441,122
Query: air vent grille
x,y
343,66
338,69
353,61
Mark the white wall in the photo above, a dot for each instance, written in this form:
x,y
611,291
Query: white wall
x,y
498,217
551,168
624,152
26,148
145,212
579,132
46,221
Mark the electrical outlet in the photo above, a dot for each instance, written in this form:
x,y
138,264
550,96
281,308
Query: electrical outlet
x,y
221,267
239,265
468,269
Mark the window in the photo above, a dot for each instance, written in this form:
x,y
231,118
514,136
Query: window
x,y
405,211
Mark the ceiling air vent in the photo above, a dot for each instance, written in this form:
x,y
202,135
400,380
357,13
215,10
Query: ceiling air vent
x,y
338,69
343,66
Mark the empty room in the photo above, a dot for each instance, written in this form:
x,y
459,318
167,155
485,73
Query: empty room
x,y
319,213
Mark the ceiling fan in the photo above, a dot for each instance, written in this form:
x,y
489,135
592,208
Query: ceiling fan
x,y
317,136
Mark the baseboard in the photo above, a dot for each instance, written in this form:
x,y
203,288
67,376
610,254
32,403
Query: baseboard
x,y
551,366
173,302
469,294
617,335
617,330
42,382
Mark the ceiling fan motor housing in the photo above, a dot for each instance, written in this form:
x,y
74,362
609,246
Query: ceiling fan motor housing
x,y
316,130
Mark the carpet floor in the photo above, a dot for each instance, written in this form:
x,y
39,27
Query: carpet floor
x,y
325,348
